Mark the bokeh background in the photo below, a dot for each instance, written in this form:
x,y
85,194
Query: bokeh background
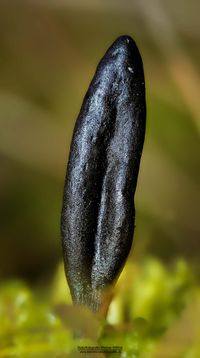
x,y
48,54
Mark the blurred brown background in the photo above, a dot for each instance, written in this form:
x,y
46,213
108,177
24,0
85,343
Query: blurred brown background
x,y
48,54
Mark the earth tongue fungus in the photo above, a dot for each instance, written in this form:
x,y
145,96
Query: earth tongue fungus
x,y
98,211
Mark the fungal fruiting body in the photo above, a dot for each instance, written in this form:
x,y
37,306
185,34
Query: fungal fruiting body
x,y
98,211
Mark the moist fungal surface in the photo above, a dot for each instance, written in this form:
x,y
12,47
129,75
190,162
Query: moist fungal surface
x,y
98,204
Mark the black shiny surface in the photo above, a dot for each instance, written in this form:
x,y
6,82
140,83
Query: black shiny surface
x,y
98,206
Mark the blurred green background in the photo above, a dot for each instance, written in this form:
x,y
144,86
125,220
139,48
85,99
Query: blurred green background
x,y
48,54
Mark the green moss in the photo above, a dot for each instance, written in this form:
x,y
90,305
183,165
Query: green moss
x,y
150,299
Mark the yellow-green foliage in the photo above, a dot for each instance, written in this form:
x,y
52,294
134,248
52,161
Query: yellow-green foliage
x,y
154,308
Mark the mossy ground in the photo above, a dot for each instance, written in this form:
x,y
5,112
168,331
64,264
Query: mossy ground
x,y
155,313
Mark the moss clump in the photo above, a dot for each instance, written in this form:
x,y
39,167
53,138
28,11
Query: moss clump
x,y
152,305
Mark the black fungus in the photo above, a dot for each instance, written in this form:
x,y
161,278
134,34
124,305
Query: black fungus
x,y
98,211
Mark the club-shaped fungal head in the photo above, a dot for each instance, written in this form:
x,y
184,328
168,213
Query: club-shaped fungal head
x,y
98,213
